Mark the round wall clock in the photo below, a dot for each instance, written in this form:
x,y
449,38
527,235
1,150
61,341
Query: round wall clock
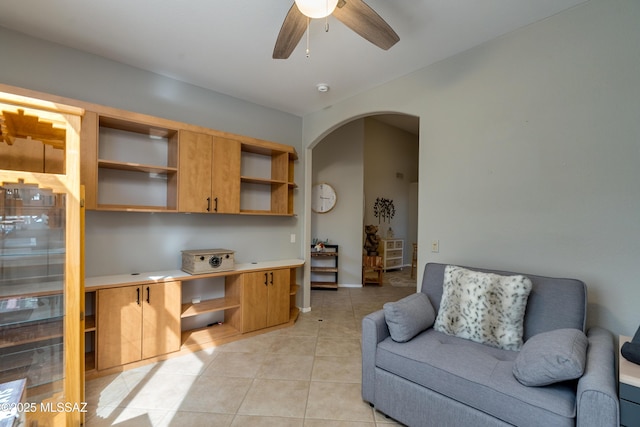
x,y
323,198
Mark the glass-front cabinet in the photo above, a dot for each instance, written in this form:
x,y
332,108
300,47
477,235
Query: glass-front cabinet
x,y
41,286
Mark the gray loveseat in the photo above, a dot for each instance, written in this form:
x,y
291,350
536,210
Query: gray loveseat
x,y
435,379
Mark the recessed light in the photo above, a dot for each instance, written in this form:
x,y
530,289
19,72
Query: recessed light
x,y
322,87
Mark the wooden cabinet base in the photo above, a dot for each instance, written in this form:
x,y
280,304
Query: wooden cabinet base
x,y
195,340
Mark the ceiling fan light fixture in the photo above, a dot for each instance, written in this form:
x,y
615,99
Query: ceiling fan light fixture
x,y
316,8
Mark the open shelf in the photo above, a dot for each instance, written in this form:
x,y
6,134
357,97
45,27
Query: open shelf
x,y
203,336
209,306
90,323
324,268
294,289
136,167
89,361
131,208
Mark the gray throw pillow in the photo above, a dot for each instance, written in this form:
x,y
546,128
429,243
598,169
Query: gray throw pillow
x,y
409,316
551,357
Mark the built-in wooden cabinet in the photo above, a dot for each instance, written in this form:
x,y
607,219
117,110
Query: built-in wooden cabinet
x,y
134,319
267,293
137,322
209,173
133,162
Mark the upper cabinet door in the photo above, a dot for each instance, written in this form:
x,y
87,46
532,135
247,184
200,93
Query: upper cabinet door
x,y
209,173
194,172
225,183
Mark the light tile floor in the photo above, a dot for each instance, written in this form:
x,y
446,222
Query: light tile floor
x,y
306,375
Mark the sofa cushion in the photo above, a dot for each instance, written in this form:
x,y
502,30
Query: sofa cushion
x,y
551,357
483,307
479,376
409,316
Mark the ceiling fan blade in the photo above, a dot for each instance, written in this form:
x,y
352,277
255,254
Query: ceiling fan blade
x,y
293,27
359,16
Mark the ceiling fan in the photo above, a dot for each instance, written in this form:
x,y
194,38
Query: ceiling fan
x,y
355,14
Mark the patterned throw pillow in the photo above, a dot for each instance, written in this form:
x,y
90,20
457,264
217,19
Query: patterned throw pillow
x,y
483,307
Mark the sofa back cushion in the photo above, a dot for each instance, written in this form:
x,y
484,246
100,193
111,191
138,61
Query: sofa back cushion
x,y
553,303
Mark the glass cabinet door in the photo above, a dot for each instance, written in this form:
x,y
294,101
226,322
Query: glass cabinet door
x,y
40,241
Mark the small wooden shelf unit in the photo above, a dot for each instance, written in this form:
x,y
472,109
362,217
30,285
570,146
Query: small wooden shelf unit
x,y
324,268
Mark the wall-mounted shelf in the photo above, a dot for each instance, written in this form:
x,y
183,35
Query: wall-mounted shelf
x,y
133,162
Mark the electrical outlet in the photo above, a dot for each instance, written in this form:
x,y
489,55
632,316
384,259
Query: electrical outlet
x,y
435,246
293,237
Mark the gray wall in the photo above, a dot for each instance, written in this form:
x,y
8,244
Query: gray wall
x,y
337,160
390,165
361,159
530,152
128,242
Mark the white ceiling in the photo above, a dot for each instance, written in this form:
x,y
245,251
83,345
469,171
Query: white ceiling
x,y
226,46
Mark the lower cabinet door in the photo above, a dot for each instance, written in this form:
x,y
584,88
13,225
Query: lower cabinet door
x,y
119,326
254,300
278,296
137,322
160,318
265,300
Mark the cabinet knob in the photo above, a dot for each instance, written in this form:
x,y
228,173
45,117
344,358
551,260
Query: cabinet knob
x,y
208,204
266,279
138,296
148,296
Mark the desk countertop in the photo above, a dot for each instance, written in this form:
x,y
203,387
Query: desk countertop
x,y
97,282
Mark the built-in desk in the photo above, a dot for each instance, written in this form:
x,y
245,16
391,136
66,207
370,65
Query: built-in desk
x,y
143,317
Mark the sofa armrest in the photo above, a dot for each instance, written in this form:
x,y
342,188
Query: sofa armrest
x,y
597,398
374,330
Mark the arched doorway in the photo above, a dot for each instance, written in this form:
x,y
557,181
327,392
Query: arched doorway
x,y
368,157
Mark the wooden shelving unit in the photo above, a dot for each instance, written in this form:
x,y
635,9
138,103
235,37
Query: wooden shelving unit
x,y
324,268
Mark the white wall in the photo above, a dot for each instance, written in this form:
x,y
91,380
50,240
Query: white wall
x,y
530,152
